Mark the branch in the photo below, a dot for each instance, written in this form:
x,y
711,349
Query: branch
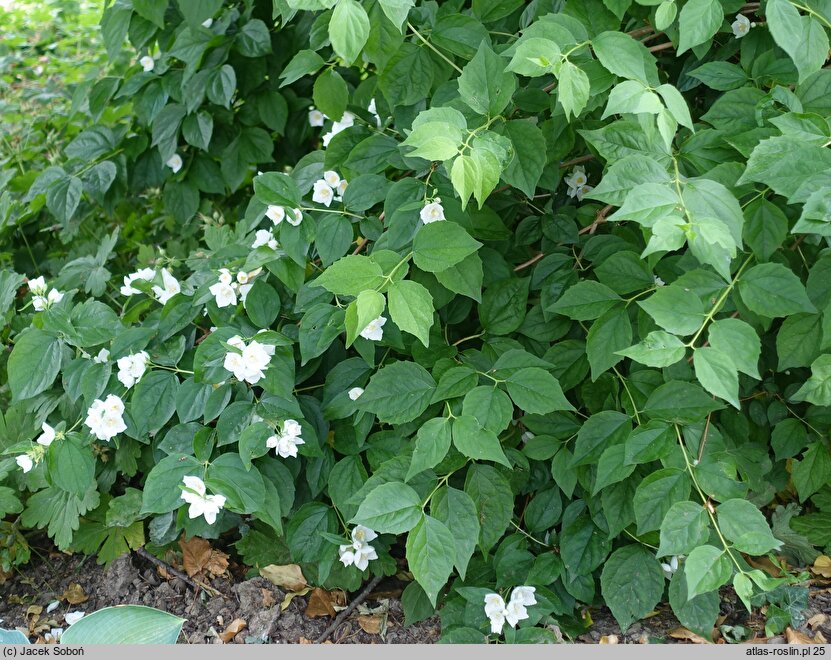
x,y
141,552
360,598
576,161
530,262
665,46
599,219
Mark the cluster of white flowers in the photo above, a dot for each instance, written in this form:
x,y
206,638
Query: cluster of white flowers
x,y
131,368
163,293
355,393
375,330
225,290
42,300
248,362
669,567
498,612
359,552
318,119
433,211
265,238
328,189
577,183
175,163
278,213
147,63
201,504
286,443
104,418
741,26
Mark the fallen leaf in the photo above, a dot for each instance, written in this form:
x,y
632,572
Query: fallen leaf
x,y
268,598
819,638
822,566
765,565
74,594
795,637
322,602
218,563
34,610
196,553
371,623
817,620
290,597
289,576
236,626
609,639
683,633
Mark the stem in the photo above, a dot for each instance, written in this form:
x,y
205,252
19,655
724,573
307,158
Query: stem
x,y
314,210
527,535
433,48
530,262
629,394
576,161
464,339
819,17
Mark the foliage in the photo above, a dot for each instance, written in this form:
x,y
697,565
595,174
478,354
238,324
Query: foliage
x,y
567,320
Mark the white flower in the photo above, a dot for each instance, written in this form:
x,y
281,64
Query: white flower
x,y
146,274
147,63
243,291
341,189
355,392
495,611
54,635
316,118
373,110
174,163
331,178
374,331
25,462
201,504
659,281
243,277
248,365
264,237
345,122
524,596
224,294
741,26
292,427
39,303
102,357
275,213
322,193
295,217
51,607
359,552
54,296
670,567
73,617
285,445
526,436
171,287
104,418
432,212
225,276
515,611
47,437
38,286
577,183
131,368
207,23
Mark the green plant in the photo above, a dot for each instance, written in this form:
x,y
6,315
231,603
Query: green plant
x,y
567,318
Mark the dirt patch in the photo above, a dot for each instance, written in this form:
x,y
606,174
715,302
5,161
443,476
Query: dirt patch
x,y
133,580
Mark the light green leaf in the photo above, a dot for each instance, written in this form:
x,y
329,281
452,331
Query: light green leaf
x,y
398,393
367,307
572,89
435,140
350,276
743,524
125,624
440,245
476,442
397,10
658,349
801,37
430,555
432,443
411,309
537,391
698,22
391,508
685,527
484,84
717,374
675,309
626,57
707,568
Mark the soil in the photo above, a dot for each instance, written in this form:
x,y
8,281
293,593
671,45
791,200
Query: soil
x,y
133,580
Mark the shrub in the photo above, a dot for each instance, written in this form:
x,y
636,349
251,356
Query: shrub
x,y
534,291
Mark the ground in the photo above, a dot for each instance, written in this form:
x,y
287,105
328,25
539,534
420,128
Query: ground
x,y
212,619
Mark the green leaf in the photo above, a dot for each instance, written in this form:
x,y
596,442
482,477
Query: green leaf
x,y
743,524
430,555
63,198
526,168
484,84
331,94
675,309
786,164
685,527
431,446
535,57
656,494
367,307
397,10
706,569
464,278
348,29
253,40
607,335
773,290
802,37
391,508
276,188
350,276
813,471
161,488
586,301
631,96
632,583
197,11
34,363
721,76
243,488
817,389
12,637
491,493
658,349
738,340
716,372
626,57
125,624
435,140
698,22
440,245
154,401
71,465
504,305
411,309
680,402
601,430
490,406
398,393
573,89
537,391
476,442
304,63
699,614
458,512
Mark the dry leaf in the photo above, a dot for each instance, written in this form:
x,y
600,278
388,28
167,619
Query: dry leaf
x,y
289,577
236,626
822,566
817,620
683,633
766,565
371,623
609,639
819,638
268,598
795,637
290,597
74,594
322,602
196,553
